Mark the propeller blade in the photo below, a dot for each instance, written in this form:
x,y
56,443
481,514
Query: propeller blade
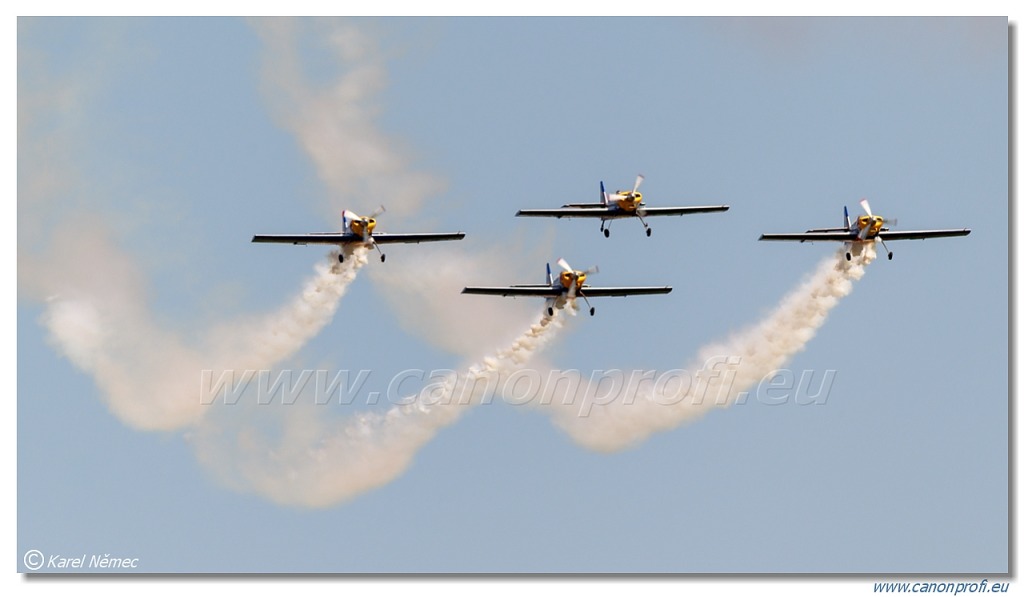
x,y
378,211
636,185
867,207
592,270
565,266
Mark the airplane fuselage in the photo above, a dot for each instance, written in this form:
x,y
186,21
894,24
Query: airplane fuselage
x,y
864,229
868,228
613,210
356,230
618,205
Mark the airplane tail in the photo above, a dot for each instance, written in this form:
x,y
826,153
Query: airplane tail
x,y
846,217
550,279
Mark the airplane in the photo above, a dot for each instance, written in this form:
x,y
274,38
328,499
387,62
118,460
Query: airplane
x,y
356,229
566,288
866,228
620,204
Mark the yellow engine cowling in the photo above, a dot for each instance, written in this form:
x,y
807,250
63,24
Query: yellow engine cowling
x,y
873,225
567,279
358,226
629,202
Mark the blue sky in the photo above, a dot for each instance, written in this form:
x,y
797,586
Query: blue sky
x,y
166,143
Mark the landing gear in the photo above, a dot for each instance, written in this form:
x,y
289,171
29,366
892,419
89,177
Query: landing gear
x,y
376,246
848,256
551,311
341,257
885,247
606,228
582,296
607,232
647,228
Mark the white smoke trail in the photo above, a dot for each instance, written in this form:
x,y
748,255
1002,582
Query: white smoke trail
x,y
93,292
431,280
334,123
148,376
318,463
746,358
314,461
260,343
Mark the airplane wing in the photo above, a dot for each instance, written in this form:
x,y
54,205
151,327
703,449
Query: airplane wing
x,y
846,236
922,234
810,236
425,237
342,238
543,290
592,291
682,211
566,212
601,211
316,238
